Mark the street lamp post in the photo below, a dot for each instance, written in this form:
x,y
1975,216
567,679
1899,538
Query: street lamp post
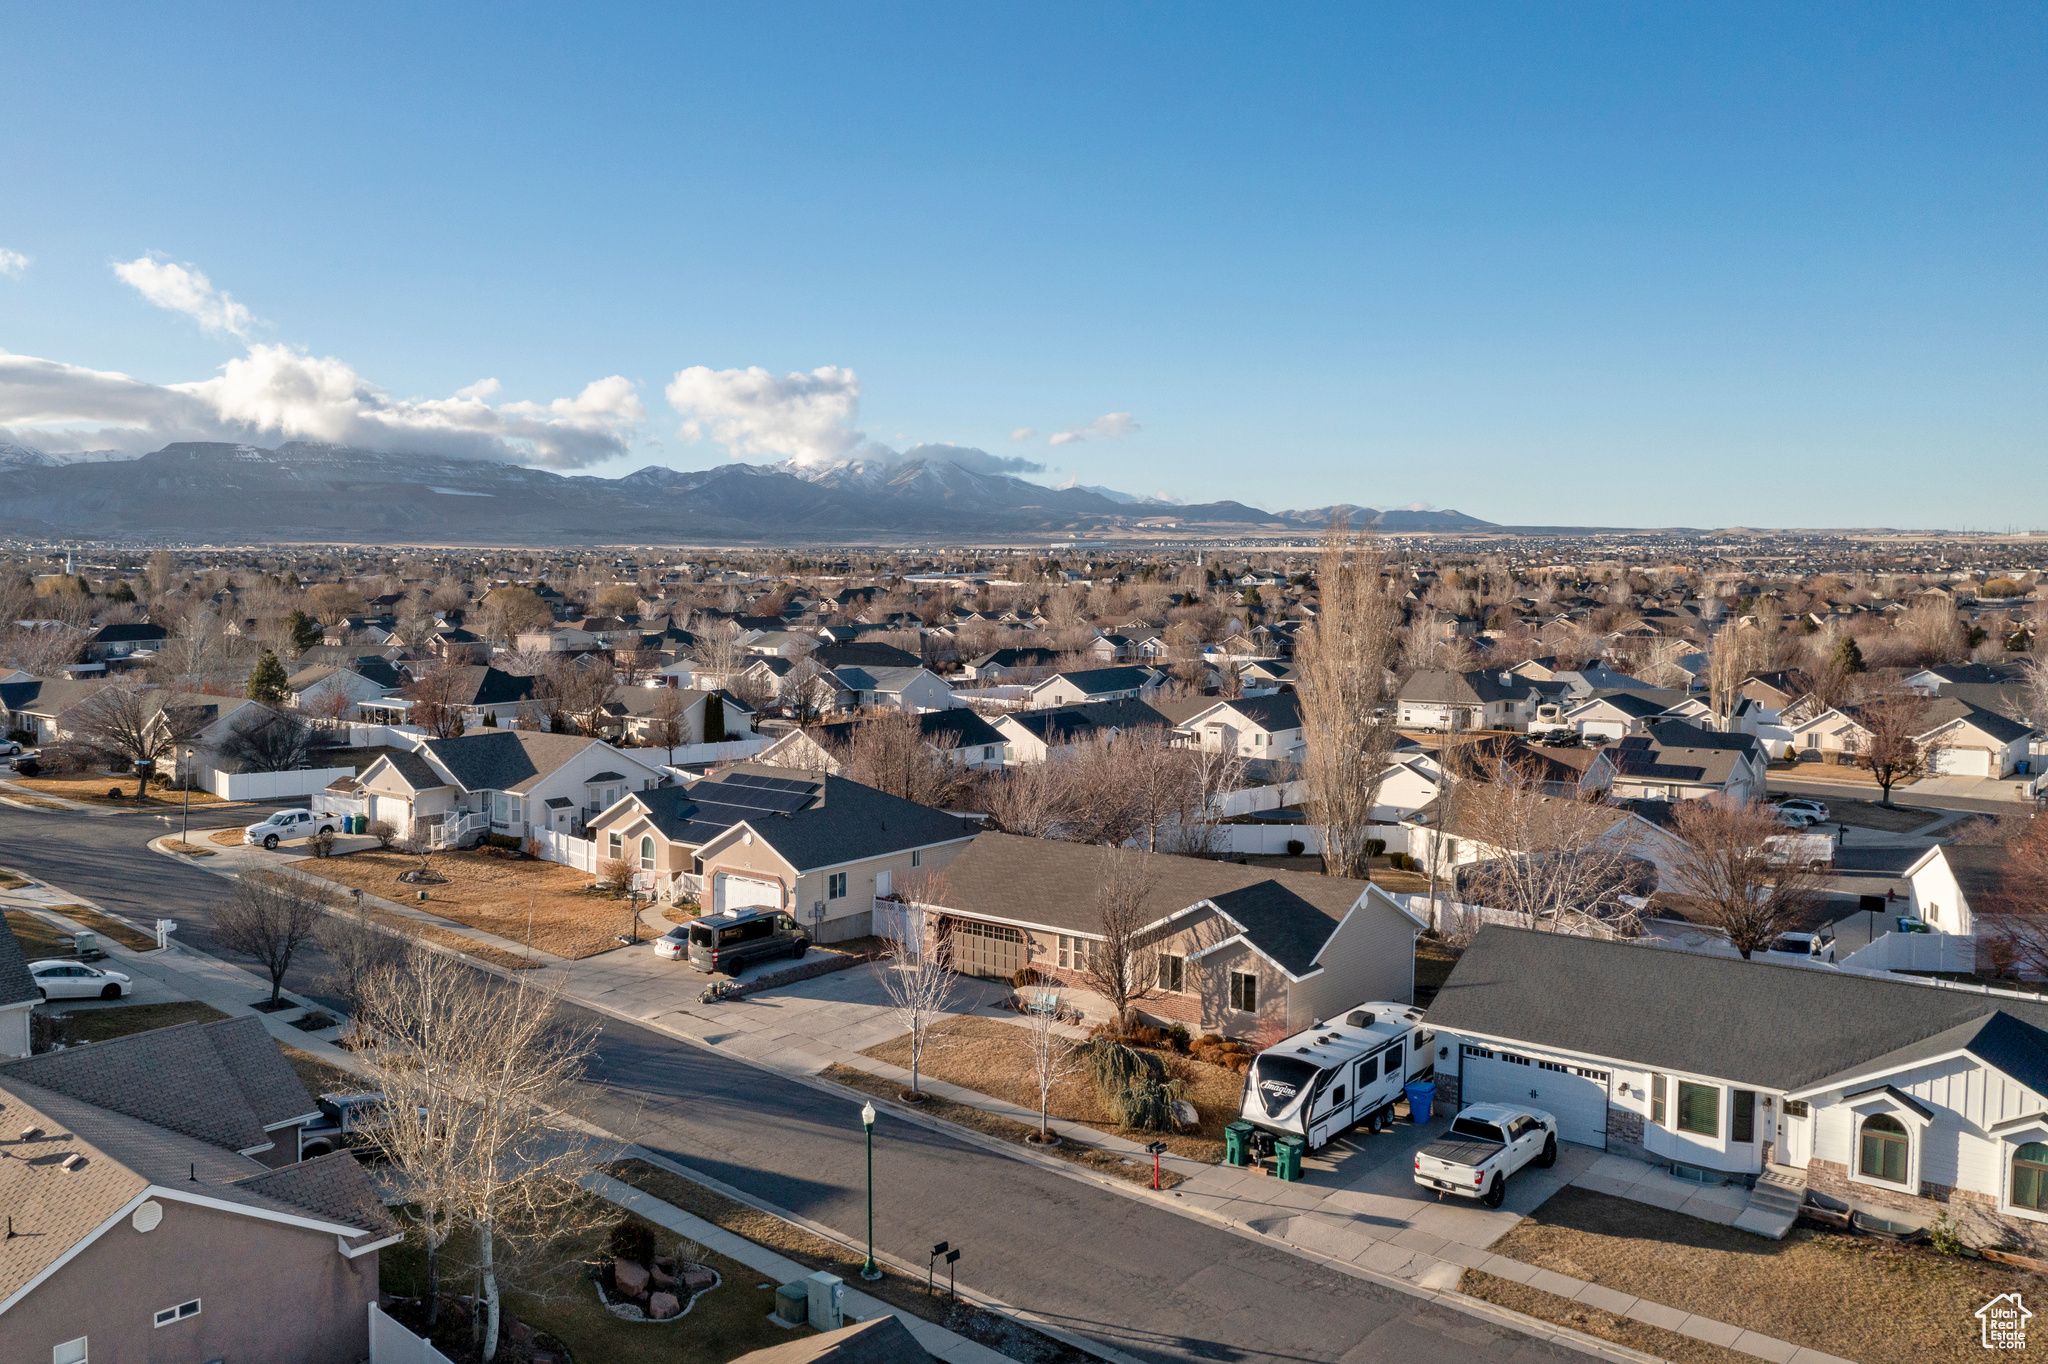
x,y
870,1271
185,776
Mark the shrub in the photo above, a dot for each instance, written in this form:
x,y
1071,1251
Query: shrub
x,y
384,831
1178,1035
322,844
1134,1086
632,1240
25,737
614,876
503,841
1943,1236
113,793
1374,847
1028,975
1295,847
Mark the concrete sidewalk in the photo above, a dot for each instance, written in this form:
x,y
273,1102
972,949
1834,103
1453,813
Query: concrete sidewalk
x,y
1357,1206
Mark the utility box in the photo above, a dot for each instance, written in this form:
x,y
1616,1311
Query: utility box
x,y
792,1303
826,1291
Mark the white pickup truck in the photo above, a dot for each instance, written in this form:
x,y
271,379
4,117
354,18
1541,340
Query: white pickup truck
x,y
1486,1144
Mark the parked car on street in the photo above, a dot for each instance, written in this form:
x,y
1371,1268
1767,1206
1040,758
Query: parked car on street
x,y
1805,946
1788,804
737,938
8,748
1799,819
75,980
1486,1145
286,824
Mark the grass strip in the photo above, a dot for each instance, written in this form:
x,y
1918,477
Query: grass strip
x,y
980,1120
1003,1334
107,926
1578,1316
104,1025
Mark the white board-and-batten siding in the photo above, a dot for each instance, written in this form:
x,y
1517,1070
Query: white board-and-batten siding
x,y
1956,1148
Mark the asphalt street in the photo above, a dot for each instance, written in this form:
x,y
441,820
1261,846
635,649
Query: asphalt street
x,y
1144,1280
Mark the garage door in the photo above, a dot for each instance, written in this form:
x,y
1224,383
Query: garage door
x,y
1575,1095
741,892
1962,762
989,950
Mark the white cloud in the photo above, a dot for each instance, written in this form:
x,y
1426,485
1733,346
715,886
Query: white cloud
x,y
1022,433
276,392
1108,426
807,419
12,262
182,289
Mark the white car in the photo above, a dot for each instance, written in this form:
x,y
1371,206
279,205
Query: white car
x,y
1798,819
8,748
286,824
1802,805
76,980
1487,1143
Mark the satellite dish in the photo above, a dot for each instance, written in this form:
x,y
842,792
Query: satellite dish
x,y
148,1216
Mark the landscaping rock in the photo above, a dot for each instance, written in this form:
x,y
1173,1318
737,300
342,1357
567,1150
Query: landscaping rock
x,y
662,1306
697,1278
1184,1113
659,1277
631,1278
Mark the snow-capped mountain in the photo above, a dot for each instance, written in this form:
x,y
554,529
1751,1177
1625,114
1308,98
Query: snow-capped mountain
x,y
15,456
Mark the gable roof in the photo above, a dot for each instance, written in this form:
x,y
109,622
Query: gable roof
x,y
1670,1010
1286,915
884,1340
964,727
1101,681
43,697
505,759
479,684
1280,711
810,819
1069,724
1478,687
16,984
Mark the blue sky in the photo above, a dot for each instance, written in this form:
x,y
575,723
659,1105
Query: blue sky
x,y
1650,264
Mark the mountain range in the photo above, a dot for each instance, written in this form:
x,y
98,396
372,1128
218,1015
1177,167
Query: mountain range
x,y
302,491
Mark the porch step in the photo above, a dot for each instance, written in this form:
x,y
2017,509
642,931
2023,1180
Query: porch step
x,y
1774,1202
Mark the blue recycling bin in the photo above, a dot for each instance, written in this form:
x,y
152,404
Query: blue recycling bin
x,y
1421,1097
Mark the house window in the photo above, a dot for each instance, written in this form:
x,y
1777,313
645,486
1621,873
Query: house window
x,y
1699,1109
1741,1115
70,1352
1076,954
1480,1052
615,846
1172,972
1796,1108
916,857
835,886
1881,1154
2030,1177
178,1313
1244,992
1657,1112
647,854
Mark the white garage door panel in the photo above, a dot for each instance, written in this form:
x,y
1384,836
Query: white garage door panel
x,y
1962,762
1571,1094
741,892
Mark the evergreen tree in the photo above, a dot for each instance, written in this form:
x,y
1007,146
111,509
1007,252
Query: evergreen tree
x,y
306,632
1848,657
267,681
714,718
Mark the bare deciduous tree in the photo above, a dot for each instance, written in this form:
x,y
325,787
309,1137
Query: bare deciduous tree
x,y
1554,861
142,724
1347,717
1030,800
887,749
919,985
437,697
270,917
1725,860
1118,967
357,948
666,726
1053,1055
1897,748
263,740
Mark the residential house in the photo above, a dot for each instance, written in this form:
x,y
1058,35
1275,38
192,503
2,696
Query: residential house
x,y
912,689
1453,702
1612,714
1012,665
958,736
1448,834
1266,727
19,995
1033,735
42,708
1965,889
817,846
631,712
328,688
1094,685
1897,1098
1678,761
482,694
156,1203
120,641
1968,742
1231,949
517,783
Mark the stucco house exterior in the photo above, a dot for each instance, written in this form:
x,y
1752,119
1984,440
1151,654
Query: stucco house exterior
x,y
503,781
160,1209
1267,727
818,846
1895,1097
1094,684
958,736
18,995
1231,949
1453,702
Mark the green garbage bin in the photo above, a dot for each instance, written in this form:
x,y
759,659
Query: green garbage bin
x,y
1287,1150
1237,1144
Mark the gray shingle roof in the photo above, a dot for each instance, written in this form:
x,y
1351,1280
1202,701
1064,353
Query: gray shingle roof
x,y
960,725
505,759
1287,915
841,820
1102,681
1069,724
1776,1026
16,984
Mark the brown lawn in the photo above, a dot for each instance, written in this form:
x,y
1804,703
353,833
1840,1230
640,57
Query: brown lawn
x,y
108,927
104,1025
92,788
319,1075
1851,1296
226,838
38,937
494,893
1578,1316
990,1056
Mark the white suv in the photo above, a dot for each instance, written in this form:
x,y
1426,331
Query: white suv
x,y
286,824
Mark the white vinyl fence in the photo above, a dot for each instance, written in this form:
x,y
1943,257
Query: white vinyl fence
x,y
580,853
391,1343
900,923
730,751
1252,799
272,785
1916,952
1267,840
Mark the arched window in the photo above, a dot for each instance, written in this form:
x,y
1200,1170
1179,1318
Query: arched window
x,y
1882,1152
2030,1177
647,854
